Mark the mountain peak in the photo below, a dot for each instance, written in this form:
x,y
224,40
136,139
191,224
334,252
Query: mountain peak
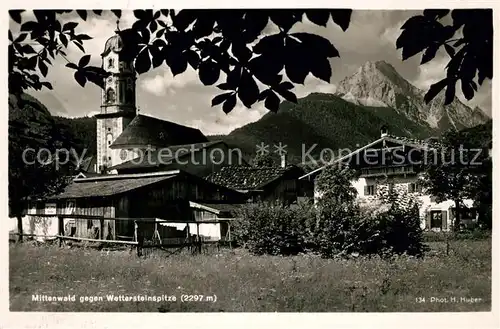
x,y
378,83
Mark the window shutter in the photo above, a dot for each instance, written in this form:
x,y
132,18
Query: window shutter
x,y
366,189
444,224
428,220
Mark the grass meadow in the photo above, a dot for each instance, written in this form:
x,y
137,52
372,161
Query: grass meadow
x,y
245,283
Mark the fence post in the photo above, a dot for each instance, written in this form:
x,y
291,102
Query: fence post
x,y
229,233
199,237
101,228
60,229
138,239
20,228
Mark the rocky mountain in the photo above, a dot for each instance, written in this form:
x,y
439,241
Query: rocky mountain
x,y
379,84
375,95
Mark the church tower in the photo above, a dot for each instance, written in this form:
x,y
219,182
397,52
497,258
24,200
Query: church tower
x,y
118,106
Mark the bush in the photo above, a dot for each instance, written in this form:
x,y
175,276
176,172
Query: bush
x,y
272,229
336,225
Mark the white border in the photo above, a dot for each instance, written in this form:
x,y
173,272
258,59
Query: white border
x,y
247,320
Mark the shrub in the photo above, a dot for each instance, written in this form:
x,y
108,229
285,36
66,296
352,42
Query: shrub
x,y
272,229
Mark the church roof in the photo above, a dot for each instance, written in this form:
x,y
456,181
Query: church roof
x,y
249,178
168,155
145,130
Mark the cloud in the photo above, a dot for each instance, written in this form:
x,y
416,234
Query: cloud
x,y
164,82
221,123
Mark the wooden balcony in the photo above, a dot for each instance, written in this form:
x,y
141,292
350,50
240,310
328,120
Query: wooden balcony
x,y
388,171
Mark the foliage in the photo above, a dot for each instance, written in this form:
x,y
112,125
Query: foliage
x,y
459,168
336,226
468,41
33,127
273,230
232,42
237,44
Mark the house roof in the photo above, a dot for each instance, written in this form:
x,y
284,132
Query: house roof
x,y
416,143
149,131
217,208
109,185
248,178
164,156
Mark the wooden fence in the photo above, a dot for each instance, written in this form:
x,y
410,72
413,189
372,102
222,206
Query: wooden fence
x,y
191,240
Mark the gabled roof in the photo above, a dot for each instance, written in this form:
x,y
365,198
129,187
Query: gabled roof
x,y
164,156
415,143
149,131
244,178
109,185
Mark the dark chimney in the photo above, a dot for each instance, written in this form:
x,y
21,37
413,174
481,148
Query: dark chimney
x,y
383,131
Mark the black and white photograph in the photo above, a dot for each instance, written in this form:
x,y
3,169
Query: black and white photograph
x,y
260,160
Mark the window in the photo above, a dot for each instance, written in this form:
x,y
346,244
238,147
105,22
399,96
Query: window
x,y
370,190
414,187
109,158
111,62
110,96
436,219
109,129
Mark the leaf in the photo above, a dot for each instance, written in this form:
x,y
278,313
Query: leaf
x,y
177,62
153,26
285,85
317,45
11,38
272,102
321,69
79,45
429,54
318,16
193,59
72,66
21,37
81,37
450,92
241,52
84,61
16,15
63,39
143,61
43,67
117,12
70,26
449,49
229,104
80,78
341,17
221,98
436,13
30,26
248,91
97,12
288,95
467,89
82,14
208,72
47,84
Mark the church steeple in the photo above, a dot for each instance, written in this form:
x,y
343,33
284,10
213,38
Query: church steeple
x,y
118,105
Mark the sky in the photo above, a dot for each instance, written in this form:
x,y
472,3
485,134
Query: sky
x,y
371,36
